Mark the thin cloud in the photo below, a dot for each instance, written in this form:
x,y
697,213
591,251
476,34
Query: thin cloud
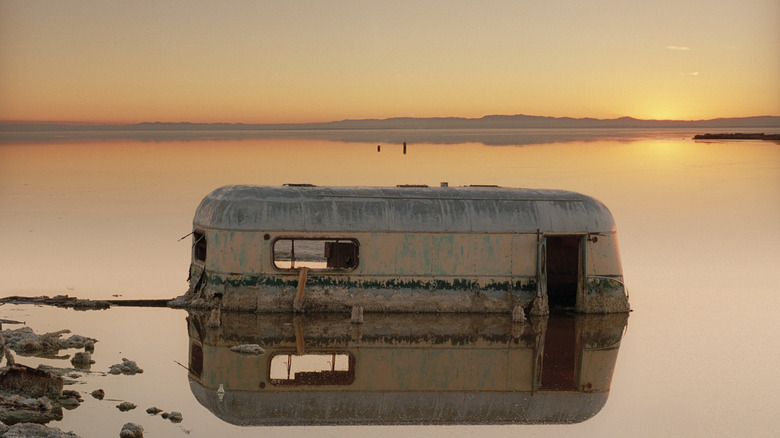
x,y
680,48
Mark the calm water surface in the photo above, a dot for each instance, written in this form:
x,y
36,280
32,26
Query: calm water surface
x,y
697,224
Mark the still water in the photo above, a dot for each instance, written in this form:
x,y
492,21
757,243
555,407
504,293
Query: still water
x,y
697,226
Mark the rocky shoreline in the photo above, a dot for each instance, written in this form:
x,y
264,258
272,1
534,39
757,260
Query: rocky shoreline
x,y
31,397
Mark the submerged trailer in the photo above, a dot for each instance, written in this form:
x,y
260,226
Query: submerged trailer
x,y
403,249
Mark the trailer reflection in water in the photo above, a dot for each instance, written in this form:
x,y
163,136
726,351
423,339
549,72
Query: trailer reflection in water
x,y
402,369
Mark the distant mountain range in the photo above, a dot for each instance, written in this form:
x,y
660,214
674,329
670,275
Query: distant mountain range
x,y
487,122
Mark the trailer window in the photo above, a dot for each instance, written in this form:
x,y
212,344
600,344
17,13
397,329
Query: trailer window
x,y
199,246
312,369
196,360
334,254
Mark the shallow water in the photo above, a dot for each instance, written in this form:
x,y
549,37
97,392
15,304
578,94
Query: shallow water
x,y
697,225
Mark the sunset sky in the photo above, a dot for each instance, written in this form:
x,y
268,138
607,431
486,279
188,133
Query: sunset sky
x,y
294,61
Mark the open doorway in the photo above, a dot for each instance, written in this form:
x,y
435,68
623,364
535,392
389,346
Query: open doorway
x,y
563,269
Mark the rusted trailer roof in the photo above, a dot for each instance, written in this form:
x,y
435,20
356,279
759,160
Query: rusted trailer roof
x,y
401,209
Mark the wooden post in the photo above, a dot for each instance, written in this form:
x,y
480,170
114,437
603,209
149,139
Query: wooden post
x,y
298,302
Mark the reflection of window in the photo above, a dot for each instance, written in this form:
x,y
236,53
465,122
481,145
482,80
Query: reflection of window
x,y
196,360
199,246
315,253
312,369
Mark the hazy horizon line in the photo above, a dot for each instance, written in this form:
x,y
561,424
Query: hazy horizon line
x,y
72,123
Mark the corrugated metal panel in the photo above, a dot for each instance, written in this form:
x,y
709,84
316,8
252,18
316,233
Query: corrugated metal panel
x,y
402,209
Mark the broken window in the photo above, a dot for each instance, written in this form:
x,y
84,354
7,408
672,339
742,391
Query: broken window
x,y
312,369
199,246
292,253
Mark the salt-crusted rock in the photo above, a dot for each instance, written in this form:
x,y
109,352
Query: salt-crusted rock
x,y
128,367
132,430
26,430
30,382
82,358
126,406
26,341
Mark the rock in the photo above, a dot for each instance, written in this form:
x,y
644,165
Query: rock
x,y
126,406
70,399
26,430
9,357
89,346
30,382
71,393
98,394
175,417
26,341
69,375
128,367
76,341
154,410
252,349
82,359
19,409
69,403
132,430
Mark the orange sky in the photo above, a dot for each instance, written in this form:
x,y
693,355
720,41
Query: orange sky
x,y
268,62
